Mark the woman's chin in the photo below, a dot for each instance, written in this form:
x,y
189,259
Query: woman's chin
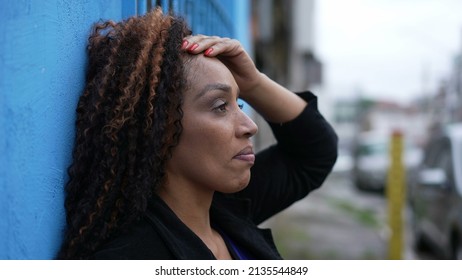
x,y
239,186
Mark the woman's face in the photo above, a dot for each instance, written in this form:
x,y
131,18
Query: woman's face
x,y
215,151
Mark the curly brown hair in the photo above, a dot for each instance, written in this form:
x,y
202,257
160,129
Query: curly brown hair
x,y
128,120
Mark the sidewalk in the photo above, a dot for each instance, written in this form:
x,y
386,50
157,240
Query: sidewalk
x,y
336,222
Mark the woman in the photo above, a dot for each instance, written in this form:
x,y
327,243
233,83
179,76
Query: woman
x,y
163,156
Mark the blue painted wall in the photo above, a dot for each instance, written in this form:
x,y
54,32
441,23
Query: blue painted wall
x,y
42,64
42,50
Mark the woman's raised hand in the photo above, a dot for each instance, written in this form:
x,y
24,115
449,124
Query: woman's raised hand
x,y
274,102
231,53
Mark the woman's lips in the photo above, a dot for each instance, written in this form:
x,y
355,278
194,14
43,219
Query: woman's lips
x,y
246,155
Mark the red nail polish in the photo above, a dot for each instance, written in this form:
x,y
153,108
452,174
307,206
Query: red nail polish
x,y
184,44
208,51
193,47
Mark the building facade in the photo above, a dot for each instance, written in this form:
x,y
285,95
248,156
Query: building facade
x,y
285,50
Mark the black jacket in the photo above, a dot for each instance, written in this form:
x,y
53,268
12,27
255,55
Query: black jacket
x,y
282,174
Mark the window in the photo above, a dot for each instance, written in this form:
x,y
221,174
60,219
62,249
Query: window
x,y
204,16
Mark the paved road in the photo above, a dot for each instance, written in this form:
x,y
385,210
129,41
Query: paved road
x,y
336,222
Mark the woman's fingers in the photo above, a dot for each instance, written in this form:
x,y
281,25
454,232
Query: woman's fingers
x,y
210,45
231,53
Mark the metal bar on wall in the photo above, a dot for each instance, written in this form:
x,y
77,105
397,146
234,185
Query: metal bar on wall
x,y
204,16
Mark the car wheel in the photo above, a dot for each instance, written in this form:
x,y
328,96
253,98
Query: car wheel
x,y
360,185
456,248
458,252
420,245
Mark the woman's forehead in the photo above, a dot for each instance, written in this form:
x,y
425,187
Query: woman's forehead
x,y
205,75
202,70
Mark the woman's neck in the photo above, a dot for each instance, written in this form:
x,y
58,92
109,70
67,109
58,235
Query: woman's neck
x,y
192,207
190,204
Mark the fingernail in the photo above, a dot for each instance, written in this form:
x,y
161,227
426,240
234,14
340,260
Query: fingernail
x,y
208,51
184,44
193,47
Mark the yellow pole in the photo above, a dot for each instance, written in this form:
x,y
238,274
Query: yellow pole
x,y
395,191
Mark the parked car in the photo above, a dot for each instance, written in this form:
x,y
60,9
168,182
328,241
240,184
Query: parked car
x,y
372,160
344,163
436,198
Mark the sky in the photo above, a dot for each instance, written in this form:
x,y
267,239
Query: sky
x,y
387,49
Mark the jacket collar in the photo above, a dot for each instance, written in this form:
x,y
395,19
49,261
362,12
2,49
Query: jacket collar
x,y
230,214
179,239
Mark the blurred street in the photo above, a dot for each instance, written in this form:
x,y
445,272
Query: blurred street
x,y
367,99
336,222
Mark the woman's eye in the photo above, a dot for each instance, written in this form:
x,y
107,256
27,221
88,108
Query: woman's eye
x,y
222,108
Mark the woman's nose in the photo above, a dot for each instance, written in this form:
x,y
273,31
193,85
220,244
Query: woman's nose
x,y
247,126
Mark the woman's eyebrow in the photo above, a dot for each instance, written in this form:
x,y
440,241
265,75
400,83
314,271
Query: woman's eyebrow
x,y
214,86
